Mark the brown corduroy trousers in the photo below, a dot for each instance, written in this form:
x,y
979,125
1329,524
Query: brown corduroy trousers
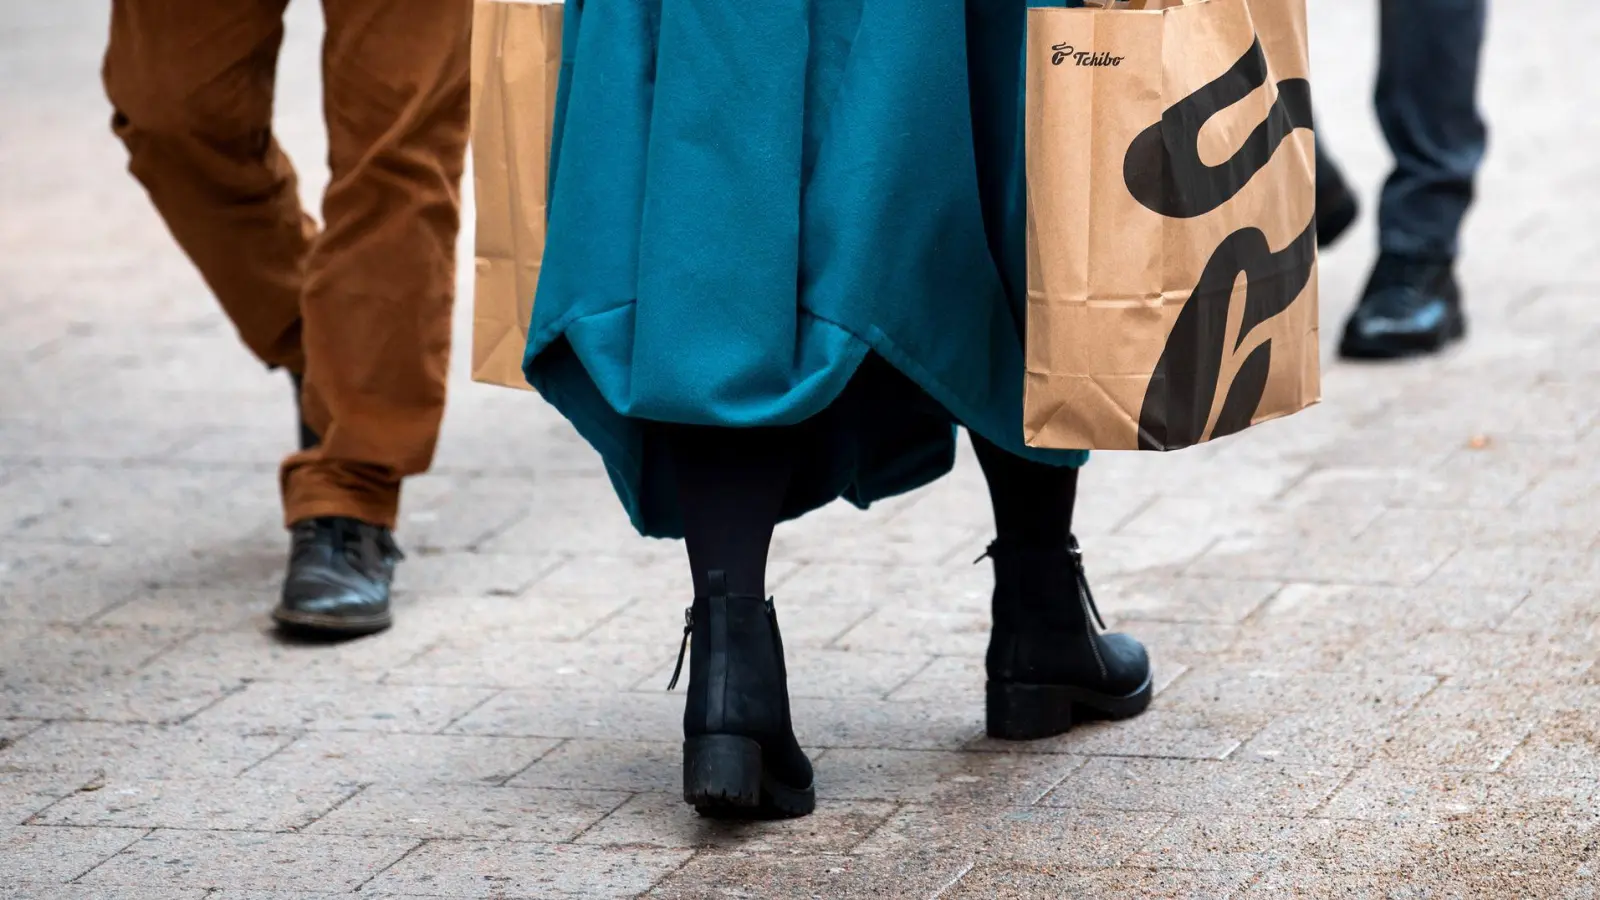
x,y
361,306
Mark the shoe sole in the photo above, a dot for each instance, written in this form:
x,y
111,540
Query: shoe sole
x,y
723,778
319,625
1352,348
1030,712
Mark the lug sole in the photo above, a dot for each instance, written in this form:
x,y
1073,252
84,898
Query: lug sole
x,y
723,778
323,625
1030,712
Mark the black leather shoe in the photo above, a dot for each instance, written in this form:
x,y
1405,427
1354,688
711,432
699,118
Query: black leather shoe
x,y
1337,207
339,575
308,438
1050,662
740,756
1410,307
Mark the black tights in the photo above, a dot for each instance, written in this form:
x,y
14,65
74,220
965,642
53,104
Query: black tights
x,y
731,486
732,483
1032,501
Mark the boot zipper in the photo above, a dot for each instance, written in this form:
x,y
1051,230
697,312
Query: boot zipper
x,y
1086,597
688,628
1083,588
683,648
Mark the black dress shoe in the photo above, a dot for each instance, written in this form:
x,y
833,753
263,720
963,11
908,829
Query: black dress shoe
x,y
1410,307
339,575
1337,206
740,756
1050,662
308,438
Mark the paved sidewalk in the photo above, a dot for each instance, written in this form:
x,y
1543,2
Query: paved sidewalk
x,y
1375,623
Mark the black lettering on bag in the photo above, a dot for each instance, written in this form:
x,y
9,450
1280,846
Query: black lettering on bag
x,y
1060,53
1164,172
1178,401
1163,169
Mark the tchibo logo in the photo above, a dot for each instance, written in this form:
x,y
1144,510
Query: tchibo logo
x,y
1064,52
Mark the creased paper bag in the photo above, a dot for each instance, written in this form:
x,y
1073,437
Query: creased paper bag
x,y
1172,289
516,63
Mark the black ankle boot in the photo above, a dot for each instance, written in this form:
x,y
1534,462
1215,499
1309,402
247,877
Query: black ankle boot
x,y
740,756
1050,664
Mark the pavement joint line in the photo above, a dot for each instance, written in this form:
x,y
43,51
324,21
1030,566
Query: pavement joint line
x,y
535,761
228,691
98,617
395,862
1522,741
913,676
1155,835
423,651
292,740
1322,804
1181,569
899,806
1238,745
1293,484
355,791
955,880
30,822
952,557
192,829
627,797
1054,785
1138,511
694,854
1253,616
78,879
608,618
1437,568
445,729
783,581
832,643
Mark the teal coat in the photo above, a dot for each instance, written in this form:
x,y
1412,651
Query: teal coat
x,y
787,211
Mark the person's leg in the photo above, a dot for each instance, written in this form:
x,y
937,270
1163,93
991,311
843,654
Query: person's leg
x,y
740,753
731,486
1049,663
379,284
1337,206
1427,105
1032,502
380,279
191,88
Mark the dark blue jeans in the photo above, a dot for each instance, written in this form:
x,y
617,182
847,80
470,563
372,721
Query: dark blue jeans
x,y
1427,106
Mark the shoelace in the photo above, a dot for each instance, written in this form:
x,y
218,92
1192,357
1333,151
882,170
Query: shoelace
x,y
348,537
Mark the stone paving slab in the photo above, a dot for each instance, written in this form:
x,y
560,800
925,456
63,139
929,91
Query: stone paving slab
x,y
1375,625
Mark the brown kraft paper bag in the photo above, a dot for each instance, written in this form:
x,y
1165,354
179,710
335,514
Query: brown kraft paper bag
x,y
1172,289
516,63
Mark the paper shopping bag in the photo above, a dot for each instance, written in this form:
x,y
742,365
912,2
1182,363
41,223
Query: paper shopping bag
x,y
516,63
1172,290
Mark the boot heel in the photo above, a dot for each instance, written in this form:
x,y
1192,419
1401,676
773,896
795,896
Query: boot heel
x,y
1027,712
721,771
